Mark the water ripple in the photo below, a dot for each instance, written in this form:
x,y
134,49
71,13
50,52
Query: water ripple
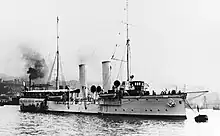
x,y
13,122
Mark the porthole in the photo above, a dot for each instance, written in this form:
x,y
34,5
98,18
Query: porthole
x,y
180,102
132,110
137,99
158,109
145,109
157,99
115,109
150,110
166,110
146,99
123,109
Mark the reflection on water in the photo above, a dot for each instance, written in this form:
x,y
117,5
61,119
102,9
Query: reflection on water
x,y
13,122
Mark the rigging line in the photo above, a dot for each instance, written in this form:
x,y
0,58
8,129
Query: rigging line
x,y
108,77
130,60
114,52
122,60
187,103
112,58
196,96
121,63
51,71
62,74
113,68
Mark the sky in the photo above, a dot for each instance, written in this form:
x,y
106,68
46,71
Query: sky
x,y
172,42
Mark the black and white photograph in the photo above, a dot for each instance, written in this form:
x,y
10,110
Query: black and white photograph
x,y
109,67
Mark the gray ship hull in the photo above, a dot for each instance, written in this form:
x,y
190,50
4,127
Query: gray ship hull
x,y
145,106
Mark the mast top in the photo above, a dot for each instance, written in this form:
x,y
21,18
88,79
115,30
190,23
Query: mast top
x,y
127,18
57,19
57,34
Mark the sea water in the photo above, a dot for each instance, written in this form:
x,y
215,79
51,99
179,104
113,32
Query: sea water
x,y
13,122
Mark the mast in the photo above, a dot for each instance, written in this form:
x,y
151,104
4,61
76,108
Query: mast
x,y
127,44
57,54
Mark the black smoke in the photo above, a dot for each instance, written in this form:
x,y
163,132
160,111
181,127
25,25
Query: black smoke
x,y
35,64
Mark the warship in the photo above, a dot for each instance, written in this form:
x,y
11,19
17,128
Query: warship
x,y
128,97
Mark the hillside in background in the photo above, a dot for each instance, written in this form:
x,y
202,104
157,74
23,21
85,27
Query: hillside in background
x,y
10,84
6,77
209,98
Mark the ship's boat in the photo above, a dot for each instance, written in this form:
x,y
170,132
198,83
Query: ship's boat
x,y
37,100
33,104
216,108
201,118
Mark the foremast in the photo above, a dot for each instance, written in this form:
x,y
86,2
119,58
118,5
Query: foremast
x,y
57,56
127,44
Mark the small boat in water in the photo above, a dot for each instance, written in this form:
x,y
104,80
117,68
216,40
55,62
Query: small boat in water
x,y
216,107
33,105
201,118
